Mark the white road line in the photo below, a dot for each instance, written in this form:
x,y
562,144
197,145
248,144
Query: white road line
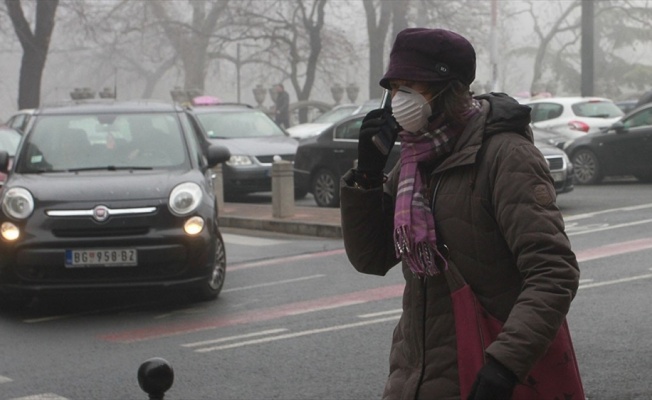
x,y
44,396
610,210
296,334
4,379
378,314
231,238
303,278
615,281
609,227
236,337
585,281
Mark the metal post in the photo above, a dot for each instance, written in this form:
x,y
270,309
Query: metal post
x,y
588,61
282,189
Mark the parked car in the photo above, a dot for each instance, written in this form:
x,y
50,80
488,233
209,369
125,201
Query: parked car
x,y
20,119
627,105
574,114
322,159
253,140
9,140
302,131
622,149
561,169
107,196
555,138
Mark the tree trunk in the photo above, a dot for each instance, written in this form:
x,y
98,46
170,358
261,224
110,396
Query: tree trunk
x,y
35,48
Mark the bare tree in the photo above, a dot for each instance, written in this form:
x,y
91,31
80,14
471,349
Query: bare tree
x,y
378,15
191,39
35,46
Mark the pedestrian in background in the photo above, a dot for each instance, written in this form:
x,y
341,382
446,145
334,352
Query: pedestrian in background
x,y
282,106
471,198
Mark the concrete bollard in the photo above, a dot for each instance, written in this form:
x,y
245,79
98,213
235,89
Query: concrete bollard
x,y
282,189
218,186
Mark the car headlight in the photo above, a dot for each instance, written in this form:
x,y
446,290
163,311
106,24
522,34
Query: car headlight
x,y
185,198
18,203
239,160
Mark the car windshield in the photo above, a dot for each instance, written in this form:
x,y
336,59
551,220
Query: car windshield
x,y
238,124
60,143
9,140
335,114
597,109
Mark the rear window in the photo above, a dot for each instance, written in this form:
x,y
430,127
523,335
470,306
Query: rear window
x,y
238,124
597,109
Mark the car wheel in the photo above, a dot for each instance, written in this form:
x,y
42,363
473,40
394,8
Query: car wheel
x,y
210,289
326,188
586,167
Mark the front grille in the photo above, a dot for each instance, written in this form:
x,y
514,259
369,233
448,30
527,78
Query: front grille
x,y
270,159
100,232
556,163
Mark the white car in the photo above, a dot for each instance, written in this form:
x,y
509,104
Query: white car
x,y
322,122
574,114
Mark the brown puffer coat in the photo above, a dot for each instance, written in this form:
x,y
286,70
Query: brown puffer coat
x,y
495,210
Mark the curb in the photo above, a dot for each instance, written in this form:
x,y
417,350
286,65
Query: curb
x,y
282,226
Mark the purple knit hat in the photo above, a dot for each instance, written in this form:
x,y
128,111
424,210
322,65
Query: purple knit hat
x,y
430,55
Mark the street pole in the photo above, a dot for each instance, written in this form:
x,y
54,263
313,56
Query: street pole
x,y
494,45
237,69
588,62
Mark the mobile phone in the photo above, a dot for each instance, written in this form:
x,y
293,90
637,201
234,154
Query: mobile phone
x,y
387,136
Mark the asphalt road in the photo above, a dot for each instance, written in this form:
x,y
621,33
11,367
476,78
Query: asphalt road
x,y
295,321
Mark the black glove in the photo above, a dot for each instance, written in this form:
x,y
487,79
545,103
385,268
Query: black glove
x,y
371,161
494,382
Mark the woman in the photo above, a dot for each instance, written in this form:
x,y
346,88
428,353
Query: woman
x,y
471,193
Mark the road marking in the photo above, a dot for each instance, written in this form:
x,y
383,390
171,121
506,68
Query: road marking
x,y
44,396
607,227
616,281
281,260
231,238
378,314
297,334
236,337
4,379
258,315
303,278
607,211
585,281
614,249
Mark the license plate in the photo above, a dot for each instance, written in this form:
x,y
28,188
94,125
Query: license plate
x,y
101,258
557,176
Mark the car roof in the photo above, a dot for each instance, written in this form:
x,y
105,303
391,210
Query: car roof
x,y
566,100
107,106
222,107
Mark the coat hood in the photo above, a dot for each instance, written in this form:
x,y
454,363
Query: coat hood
x,y
506,115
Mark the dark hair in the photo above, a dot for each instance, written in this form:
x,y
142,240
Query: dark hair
x,y
454,99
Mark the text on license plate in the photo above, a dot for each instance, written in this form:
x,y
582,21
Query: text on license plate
x,y
102,258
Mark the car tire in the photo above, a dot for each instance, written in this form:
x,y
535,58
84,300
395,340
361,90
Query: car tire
x,y
326,188
211,288
586,167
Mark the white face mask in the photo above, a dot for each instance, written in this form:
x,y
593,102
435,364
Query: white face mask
x,y
410,109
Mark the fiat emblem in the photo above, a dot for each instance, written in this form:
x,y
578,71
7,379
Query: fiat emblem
x,y
100,213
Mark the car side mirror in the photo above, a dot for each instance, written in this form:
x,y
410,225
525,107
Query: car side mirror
x,y
618,126
216,154
4,161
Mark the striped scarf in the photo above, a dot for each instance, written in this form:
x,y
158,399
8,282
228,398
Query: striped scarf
x,y
414,224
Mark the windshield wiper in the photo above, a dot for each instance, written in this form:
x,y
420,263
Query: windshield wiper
x,y
109,168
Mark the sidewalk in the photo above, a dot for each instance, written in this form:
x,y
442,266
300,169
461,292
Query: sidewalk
x,y
309,221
